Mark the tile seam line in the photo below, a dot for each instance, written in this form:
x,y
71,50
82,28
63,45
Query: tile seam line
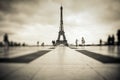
x,y
98,73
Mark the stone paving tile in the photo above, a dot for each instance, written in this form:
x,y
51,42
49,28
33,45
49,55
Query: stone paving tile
x,y
66,73
62,63
109,73
64,56
26,73
66,64
6,69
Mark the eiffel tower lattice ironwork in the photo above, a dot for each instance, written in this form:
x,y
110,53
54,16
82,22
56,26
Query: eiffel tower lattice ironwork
x,y
61,32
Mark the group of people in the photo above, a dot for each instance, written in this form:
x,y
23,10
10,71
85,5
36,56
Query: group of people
x,y
82,41
42,44
76,42
111,40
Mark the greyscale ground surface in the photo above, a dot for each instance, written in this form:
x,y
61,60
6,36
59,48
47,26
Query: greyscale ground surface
x,y
61,63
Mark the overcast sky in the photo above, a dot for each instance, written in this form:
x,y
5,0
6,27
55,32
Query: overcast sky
x,y
39,20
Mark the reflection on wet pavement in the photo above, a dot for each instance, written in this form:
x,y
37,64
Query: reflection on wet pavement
x,y
62,63
113,51
19,51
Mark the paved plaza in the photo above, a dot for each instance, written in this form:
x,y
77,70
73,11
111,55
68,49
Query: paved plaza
x,y
60,63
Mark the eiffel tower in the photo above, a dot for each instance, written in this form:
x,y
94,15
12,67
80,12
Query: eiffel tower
x,y
61,31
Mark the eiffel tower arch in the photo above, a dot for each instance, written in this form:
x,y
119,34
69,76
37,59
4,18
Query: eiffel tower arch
x,y
61,31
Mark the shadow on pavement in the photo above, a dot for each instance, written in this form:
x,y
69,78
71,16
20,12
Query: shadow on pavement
x,y
99,57
25,58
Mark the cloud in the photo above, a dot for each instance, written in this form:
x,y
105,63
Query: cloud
x,y
15,14
103,11
46,11
27,11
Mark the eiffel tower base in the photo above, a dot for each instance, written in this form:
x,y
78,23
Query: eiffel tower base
x,y
64,42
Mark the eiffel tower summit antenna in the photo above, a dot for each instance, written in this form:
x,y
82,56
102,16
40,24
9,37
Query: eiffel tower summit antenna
x,y
61,31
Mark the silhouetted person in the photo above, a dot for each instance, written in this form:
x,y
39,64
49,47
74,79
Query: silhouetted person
x,y
109,42
100,42
76,42
83,41
37,43
118,37
6,41
112,40
42,44
53,42
23,44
